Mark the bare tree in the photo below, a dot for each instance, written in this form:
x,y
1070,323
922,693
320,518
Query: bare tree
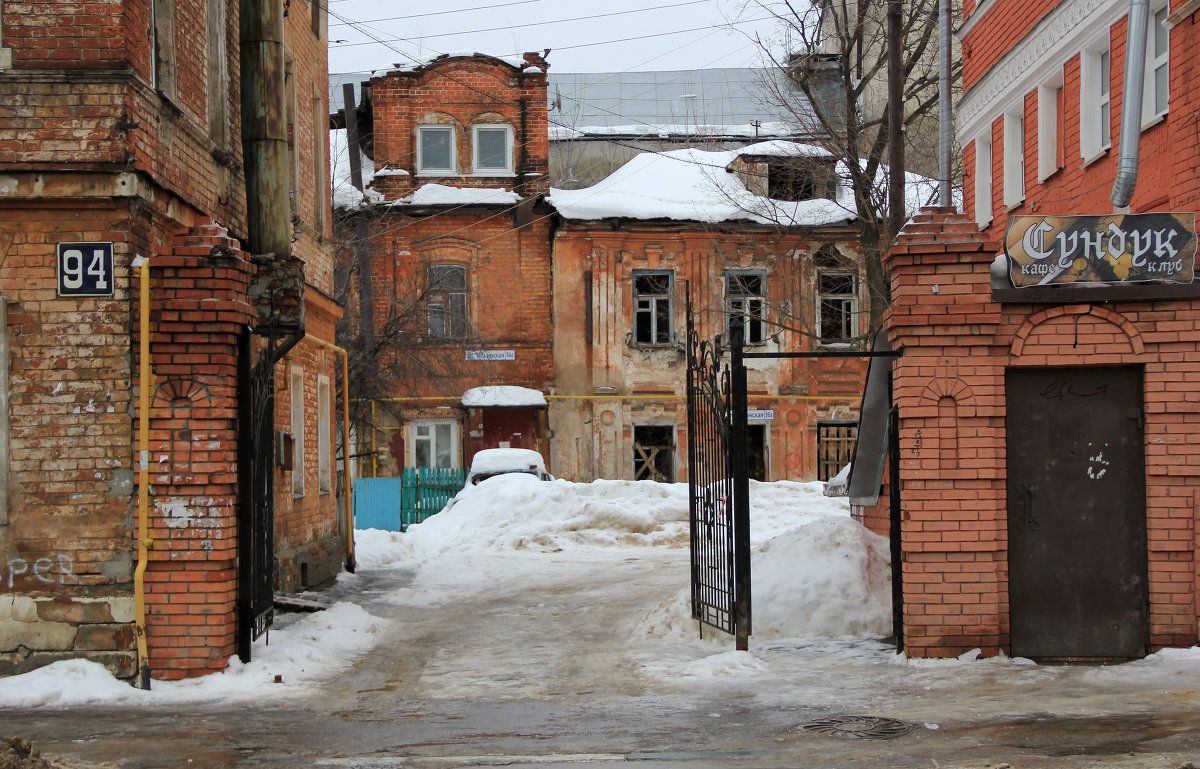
x,y
835,53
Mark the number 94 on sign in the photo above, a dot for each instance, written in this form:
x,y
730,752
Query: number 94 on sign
x,y
85,269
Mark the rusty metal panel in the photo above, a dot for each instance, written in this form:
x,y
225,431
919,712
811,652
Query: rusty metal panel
x,y
1076,513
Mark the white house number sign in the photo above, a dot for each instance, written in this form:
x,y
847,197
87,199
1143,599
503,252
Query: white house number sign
x,y
85,269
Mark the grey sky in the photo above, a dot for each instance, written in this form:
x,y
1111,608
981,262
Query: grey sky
x,y
616,36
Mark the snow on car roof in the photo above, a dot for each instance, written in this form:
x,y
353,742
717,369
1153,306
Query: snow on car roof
x,y
495,460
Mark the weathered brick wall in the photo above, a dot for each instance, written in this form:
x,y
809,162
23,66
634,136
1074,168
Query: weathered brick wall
x,y
956,346
65,561
593,428
461,91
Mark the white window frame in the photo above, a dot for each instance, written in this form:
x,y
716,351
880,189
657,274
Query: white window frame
x,y
847,298
983,179
1095,100
752,308
1014,156
1049,149
647,305
1156,60
324,432
414,436
296,398
425,170
507,170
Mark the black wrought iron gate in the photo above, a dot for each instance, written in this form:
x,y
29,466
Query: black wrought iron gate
x,y
719,490
256,504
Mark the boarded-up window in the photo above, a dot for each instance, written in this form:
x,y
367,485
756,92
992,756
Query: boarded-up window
x,y
654,453
835,447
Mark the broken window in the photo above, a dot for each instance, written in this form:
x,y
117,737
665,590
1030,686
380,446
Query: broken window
x,y
837,297
652,308
492,149
446,301
789,182
746,298
435,149
654,453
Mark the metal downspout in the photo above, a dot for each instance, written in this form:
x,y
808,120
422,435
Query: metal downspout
x,y
1131,111
145,543
945,114
350,561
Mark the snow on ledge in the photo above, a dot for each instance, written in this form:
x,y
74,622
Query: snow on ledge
x,y
440,194
499,396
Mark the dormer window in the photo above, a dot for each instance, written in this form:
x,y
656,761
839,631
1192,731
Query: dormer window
x,y
435,149
491,150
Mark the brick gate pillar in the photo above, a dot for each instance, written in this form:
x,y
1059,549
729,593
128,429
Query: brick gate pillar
x,y
949,390
200,304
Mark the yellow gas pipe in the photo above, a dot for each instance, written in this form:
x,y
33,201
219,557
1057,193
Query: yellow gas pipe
x,y
350,565
145,543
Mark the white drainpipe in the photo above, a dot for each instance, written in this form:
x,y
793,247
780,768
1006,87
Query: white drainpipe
x,y
1131,116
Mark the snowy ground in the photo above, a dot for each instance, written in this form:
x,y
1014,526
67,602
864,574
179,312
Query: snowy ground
x,y
821,597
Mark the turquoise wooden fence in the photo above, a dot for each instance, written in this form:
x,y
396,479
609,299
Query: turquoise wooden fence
x,y
394,504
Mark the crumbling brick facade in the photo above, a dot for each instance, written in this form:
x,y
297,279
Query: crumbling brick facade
x,y
114,130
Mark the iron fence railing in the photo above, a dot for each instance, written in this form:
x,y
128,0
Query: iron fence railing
x,y
395,503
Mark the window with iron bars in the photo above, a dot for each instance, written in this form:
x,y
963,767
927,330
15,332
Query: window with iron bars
x,y
746,298
652,313
446,301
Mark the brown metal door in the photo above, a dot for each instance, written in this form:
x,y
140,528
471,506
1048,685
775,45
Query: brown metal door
x,y
1076,513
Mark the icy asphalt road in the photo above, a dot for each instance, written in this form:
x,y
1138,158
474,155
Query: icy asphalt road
x,y
546,663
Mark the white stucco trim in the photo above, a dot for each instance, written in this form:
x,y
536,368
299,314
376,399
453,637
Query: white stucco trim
x,y
1056,38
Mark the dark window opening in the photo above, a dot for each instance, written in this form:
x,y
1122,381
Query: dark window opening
x,y
785,182
654,453
652,308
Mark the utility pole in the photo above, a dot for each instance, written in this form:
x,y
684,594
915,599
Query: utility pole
x,y
895,78
264,128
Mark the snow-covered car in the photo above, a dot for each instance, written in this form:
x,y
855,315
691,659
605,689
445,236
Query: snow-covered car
x,y
492,462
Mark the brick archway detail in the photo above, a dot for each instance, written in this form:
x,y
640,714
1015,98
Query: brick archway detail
x,y
1041,332
955,389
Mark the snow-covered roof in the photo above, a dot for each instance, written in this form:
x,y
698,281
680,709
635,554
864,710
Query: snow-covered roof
x,y
501,396
443,195
694,185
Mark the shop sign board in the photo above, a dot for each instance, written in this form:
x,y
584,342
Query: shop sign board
x,y
1115,248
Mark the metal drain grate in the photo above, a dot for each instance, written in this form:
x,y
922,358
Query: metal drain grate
x,y
859,727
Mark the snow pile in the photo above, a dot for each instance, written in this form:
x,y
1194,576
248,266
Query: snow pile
x,y
302,654
815,571
442,195
828,578
519,512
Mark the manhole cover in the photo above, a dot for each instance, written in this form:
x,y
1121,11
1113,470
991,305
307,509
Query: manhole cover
x,y
859,727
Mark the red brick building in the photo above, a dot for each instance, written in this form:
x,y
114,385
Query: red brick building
x,y
121,140
1046,380
464,275
450,284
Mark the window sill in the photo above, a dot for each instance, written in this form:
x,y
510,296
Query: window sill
x,y
436,172
1159,118
1009,207
495,174
1101,153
